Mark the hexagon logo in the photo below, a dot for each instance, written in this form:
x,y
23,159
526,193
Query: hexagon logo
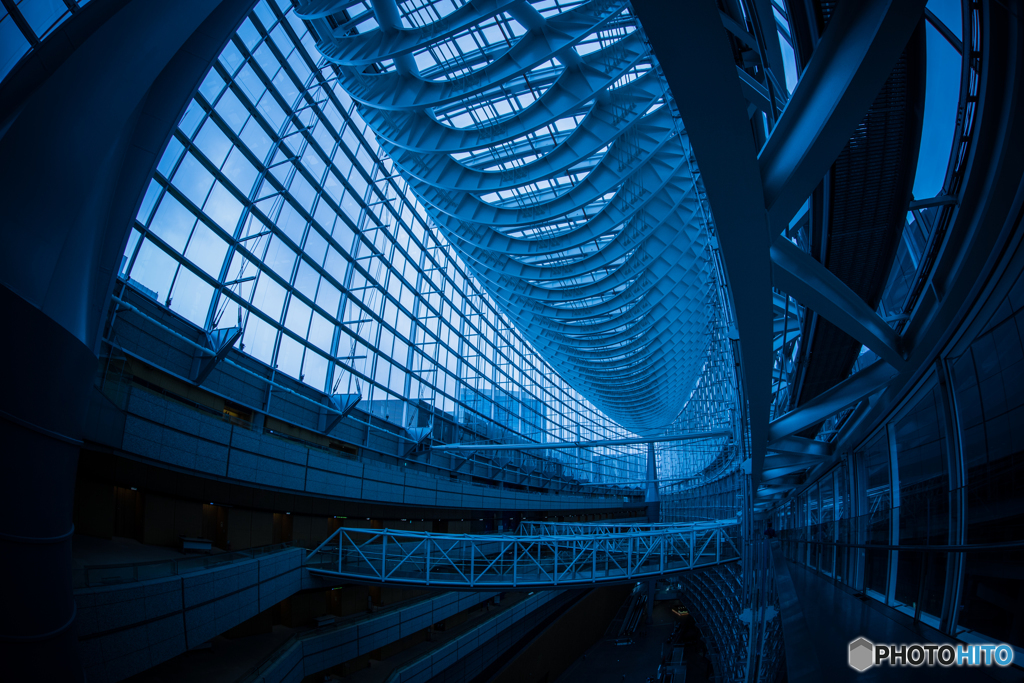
x,y
862,654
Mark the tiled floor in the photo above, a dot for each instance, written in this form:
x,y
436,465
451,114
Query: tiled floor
x,y
833,617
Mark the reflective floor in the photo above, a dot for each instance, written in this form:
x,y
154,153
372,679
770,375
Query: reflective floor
x,y
826,618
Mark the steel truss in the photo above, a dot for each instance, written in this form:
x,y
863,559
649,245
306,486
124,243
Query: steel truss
x,y
580,212
505,561
574,528
758,182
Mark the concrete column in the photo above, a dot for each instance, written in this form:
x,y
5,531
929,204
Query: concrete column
x,y
43,407
83,121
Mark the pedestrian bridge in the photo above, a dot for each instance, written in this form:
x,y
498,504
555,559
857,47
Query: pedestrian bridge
x,y
542,555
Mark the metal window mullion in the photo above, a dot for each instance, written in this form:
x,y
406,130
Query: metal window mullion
x,y
343,301
281,57
19,20
231,238
956,563
894,512
143,228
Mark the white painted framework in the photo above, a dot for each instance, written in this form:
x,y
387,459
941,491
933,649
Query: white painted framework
x,y
507,561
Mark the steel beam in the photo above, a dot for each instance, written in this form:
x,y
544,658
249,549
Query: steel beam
x,y
856,54
695,56
798,274
866,382
218,343
551,556
773,471
533,446
626,323
784,460
338,407
800,446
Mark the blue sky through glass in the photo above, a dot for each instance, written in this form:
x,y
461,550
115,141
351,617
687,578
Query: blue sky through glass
x,y
941,99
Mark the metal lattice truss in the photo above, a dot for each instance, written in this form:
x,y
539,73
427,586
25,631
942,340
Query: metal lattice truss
x,y
757,185
710,407
576,528
548,152
503,561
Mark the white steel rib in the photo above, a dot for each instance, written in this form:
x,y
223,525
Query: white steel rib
x,y
547,558
547,150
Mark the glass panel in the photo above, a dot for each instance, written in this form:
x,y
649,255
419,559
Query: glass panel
x,y
42,15
813,525
842,555
874,523
924,502
989,398
826,534
942,97
340,283
13,45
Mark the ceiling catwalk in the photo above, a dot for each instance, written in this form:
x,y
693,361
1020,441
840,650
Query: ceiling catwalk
x,y
547,149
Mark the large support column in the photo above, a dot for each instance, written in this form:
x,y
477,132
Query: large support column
x,y
43,408
652,497
83,121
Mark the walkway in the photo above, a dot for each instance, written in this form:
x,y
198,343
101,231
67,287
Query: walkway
x,y
506,561
821,618
527,528
103,562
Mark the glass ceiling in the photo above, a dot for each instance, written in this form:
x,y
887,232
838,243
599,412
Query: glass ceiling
x,y
542,139
274,205
25,23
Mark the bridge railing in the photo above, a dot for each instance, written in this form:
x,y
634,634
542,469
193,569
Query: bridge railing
x,y
530,528
506,561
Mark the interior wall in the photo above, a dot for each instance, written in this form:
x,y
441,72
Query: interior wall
x,y
94,508
166,520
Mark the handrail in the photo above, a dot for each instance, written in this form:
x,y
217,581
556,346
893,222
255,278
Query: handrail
x,y
1009,545
573,528
174,567
605,489
608,488
432,469
341,623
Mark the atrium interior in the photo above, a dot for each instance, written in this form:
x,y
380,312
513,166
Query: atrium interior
x,y
393,341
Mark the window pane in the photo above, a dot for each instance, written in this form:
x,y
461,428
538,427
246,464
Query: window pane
x,y
924,502
989,398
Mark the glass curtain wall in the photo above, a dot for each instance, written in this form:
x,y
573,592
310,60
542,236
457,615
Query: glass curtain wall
x,y
24,23
274,208
922,480
988,394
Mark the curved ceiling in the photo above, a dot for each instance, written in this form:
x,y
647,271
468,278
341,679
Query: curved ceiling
x,y
547,150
